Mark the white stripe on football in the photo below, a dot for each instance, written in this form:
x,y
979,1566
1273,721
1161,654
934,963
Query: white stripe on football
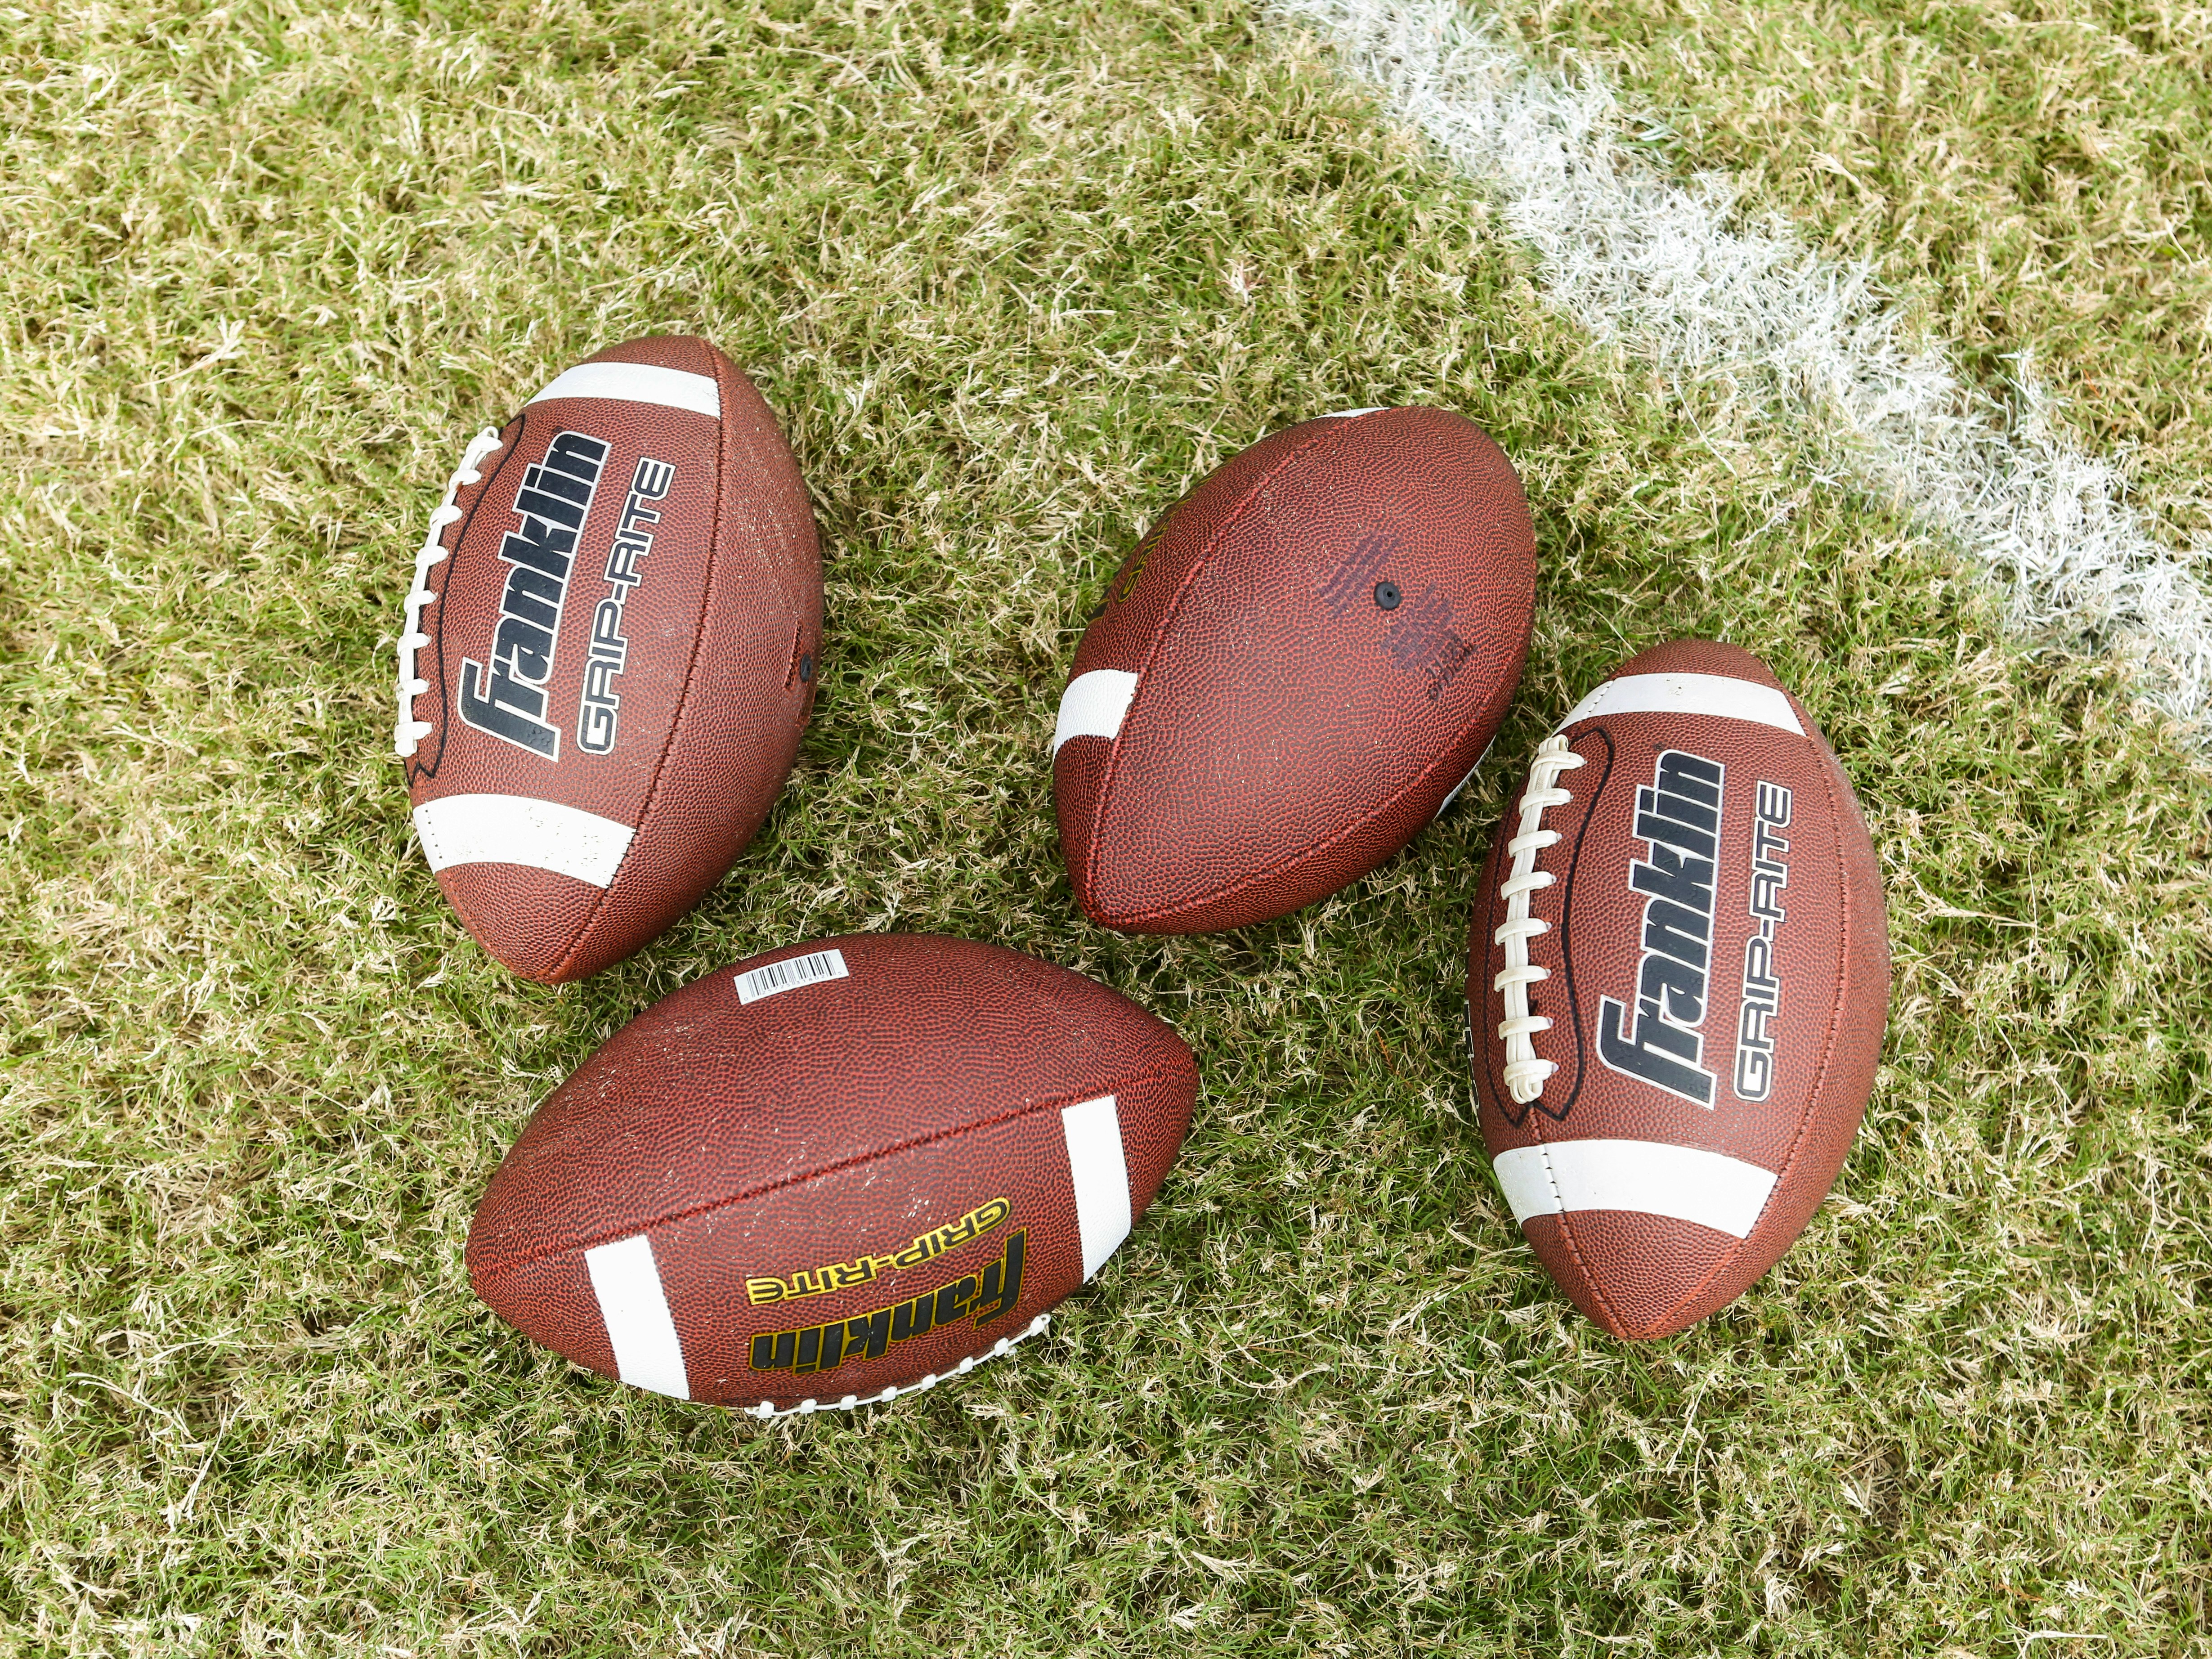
x,y
638,382
539,834
1094,705
1687,693
1650,1178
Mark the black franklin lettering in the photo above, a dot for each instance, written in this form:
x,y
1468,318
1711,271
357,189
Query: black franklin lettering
x,y
1670,875
506,709
1664,831
1677,931
915,1318
543,547
1640,1060
1655,1030
952,1301
538,504
1691,777
866,1337
568,486
533,596
1674,989
809,1349
578,455
1678,817
526,646
551,505
1001,1287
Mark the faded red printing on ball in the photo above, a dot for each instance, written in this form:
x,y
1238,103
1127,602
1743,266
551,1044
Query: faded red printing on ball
x,y
1293,672
610,652
1678,983
835,1173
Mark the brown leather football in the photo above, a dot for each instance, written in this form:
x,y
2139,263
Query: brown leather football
x,y
1293,672
609,652
834,1172
1679,977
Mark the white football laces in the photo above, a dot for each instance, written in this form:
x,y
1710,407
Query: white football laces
x,y
1524,1071
412,685
807,1408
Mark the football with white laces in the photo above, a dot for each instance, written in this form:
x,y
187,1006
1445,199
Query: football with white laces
x,y
1679,979
609,651
834,1174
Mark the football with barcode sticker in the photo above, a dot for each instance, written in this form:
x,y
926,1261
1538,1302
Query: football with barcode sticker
x,y
609,654
834,1174
1679,979
1293,672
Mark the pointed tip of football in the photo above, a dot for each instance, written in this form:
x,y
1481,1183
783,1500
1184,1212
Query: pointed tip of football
x,y
550,1300
1700,657
532,921
687,353
1638,1276
1077,771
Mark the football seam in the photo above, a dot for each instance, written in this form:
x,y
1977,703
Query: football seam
x,y
1230,889
690,668
1566,945
634,1230
1216,894
1237,511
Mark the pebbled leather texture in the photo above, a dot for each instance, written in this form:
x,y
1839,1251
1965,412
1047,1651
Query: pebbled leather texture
x,y
1290,730
711,712
827,1124
1642,1274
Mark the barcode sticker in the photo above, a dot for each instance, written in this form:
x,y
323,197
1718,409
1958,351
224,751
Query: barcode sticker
x,y
789,975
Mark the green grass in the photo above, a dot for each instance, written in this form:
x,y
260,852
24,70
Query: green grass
x,y
2035,180
1014,276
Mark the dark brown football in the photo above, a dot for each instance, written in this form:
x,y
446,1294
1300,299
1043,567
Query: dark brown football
x,y
1294,672
1679,978
834,1172
609,655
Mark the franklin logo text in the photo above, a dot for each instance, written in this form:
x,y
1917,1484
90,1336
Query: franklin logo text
x,y
599,717
1762,986
552,504
866,1269
980,1296
1680,817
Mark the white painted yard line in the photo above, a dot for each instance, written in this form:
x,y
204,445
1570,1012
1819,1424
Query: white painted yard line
x,y
1655,264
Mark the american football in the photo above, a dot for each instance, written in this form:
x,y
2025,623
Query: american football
x,y
610,652
1293,672
1679,978
834,1172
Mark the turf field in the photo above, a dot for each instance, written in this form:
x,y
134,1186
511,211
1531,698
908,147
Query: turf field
x,y
1015,275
